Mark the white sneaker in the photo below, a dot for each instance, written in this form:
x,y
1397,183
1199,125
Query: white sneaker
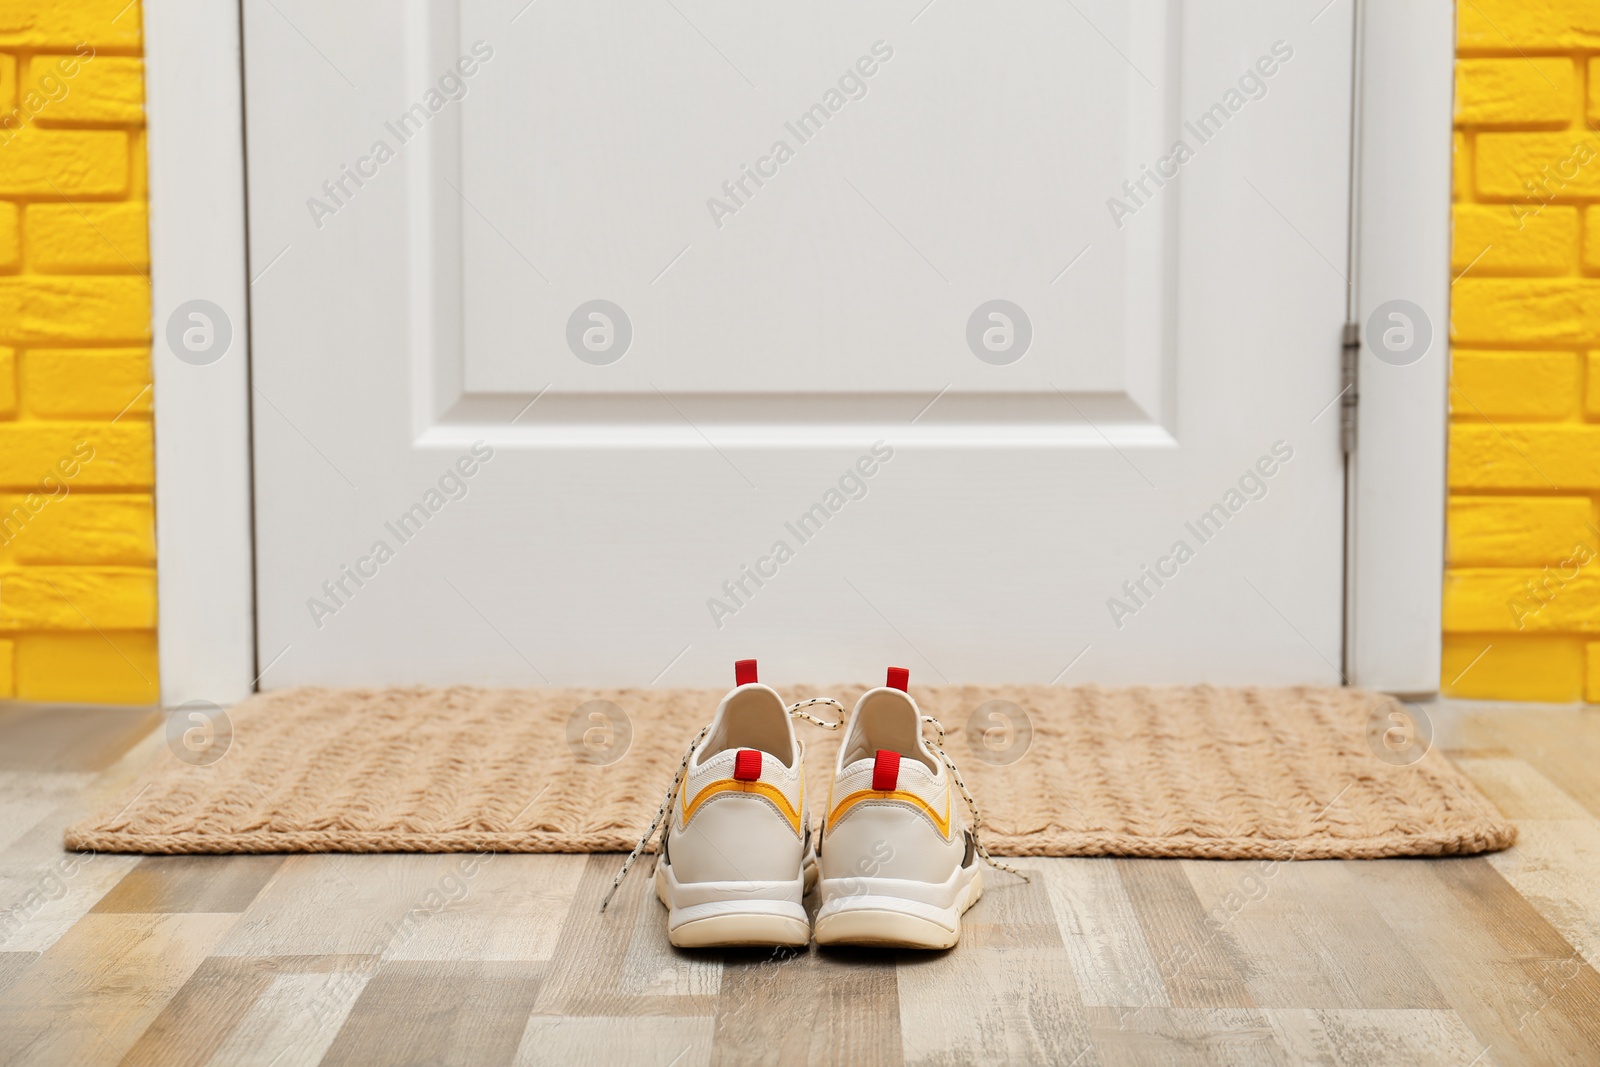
x,y
899,864
737,846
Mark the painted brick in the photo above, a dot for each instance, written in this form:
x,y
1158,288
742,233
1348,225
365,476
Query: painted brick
x,y
78,598
8,675
1517,531
1514,92
8,83
1461,167
1489,239
1510,25
8,383
1491,385
108,308
1545,311
1515,667
1591,239
1591,685
43,85
63,163
99,529
10,235
139,173
1591,378
112,667
1594,90
1560,597
107,89
86,455
1550,457
64,23
65,383
1537,167
77,238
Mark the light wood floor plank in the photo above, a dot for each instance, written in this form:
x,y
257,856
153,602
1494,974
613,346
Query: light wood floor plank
x,y
1556,863
223,991
1479,939
430,1013
294,1020
652,967
1307,938
26,798
1556,868
1518,790
1335,1036
599,1041
1114,964
991,1005
50,737
168,884
100,986
1200,1036
44,891
495,907
337,904
1559,743
1197,966
590,967
1563,979
12,964
1013,912
201,1015
823,1006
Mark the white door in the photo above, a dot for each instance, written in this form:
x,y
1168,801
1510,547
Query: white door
x,y
601,343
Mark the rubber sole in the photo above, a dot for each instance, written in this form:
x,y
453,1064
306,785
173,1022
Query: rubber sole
x,y
735,919
726,931
885,922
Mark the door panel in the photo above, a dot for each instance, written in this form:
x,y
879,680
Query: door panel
x,y
851,267
798,426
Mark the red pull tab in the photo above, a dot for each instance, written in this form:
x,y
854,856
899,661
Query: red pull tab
x,y
744,671
885,770
747,765
899,678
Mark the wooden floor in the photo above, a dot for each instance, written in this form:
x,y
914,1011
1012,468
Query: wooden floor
x,y
503,959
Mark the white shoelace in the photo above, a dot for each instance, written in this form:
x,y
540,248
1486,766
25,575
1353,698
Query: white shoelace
x,y
798,711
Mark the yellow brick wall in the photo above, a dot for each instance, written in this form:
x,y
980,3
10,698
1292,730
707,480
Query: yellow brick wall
x,y
77,536
1522,581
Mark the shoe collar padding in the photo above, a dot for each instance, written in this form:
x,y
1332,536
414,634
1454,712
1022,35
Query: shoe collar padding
x,y
886,718
751,716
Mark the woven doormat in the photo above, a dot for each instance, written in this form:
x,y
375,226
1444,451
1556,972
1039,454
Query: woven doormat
x,y
1195,771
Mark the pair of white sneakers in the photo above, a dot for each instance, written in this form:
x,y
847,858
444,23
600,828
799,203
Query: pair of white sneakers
x,y
896,862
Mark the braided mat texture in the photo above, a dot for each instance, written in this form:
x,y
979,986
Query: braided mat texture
x,y
1193,771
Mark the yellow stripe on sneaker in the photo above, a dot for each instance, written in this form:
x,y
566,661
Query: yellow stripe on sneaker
x,y
731,785
863,795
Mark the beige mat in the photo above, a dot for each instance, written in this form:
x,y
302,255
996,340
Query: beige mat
x,y
1203,772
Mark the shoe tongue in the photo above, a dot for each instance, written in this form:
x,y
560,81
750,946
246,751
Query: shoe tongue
x,y
886,770
741,764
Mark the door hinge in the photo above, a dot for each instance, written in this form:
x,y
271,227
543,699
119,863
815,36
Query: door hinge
x,y
1349,389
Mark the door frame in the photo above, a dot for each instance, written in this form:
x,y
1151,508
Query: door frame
x,y
203,489
1399,248
1402,148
